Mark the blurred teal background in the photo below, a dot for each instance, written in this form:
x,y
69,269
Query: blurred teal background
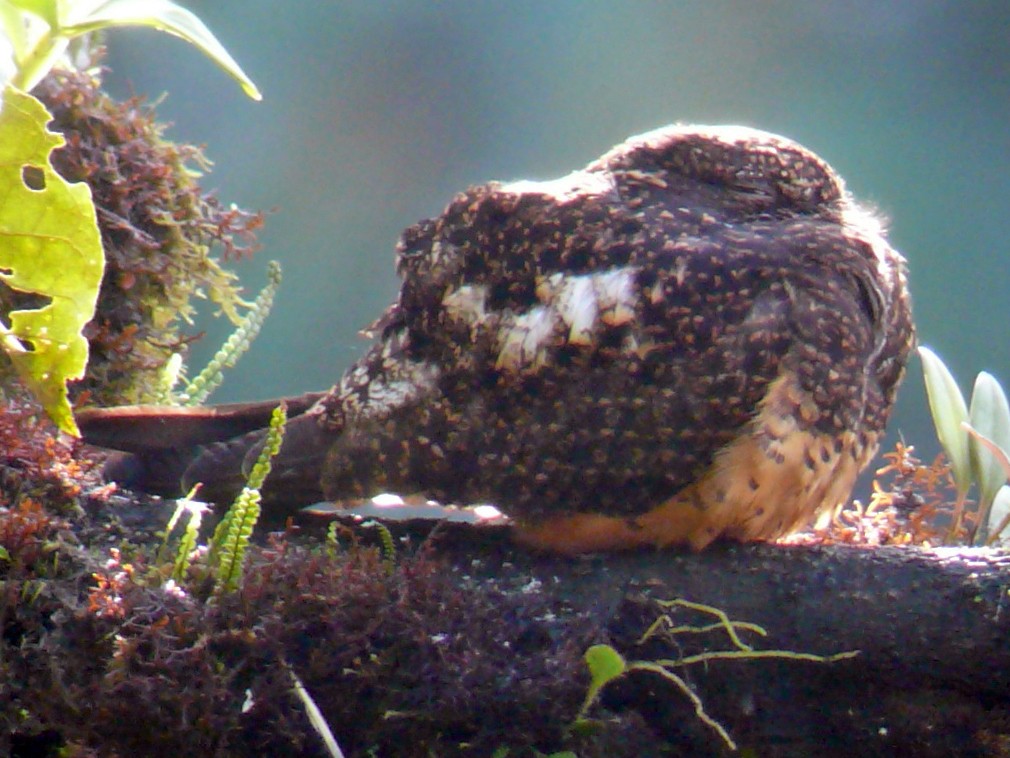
x,y
376,113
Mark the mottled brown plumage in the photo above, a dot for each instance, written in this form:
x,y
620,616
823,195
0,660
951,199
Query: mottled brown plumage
x,y
699,334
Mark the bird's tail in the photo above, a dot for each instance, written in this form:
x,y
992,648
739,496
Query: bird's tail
x,y
165,450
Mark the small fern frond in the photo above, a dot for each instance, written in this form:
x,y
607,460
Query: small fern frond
x,y
169,376
190,535
208,380
388,545
244,513
185,505
271,446
231,538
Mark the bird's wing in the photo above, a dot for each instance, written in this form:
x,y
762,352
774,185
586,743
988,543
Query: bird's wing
x,y
511,272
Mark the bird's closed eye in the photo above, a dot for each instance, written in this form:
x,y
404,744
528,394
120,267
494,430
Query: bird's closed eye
x,y
869,300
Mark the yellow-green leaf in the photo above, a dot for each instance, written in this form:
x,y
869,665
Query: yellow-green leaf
x,y
999,517
990,417
47,10
50,247
16,24
605,665
1000,456
949,411
164,16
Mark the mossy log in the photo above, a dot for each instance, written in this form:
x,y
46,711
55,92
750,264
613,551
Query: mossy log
x,y
931,627
465,644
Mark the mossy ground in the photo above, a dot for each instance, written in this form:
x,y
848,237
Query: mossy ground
x,y
464,644
99,657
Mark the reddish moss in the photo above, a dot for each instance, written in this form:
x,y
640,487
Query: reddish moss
x,y
36,462
912,504
25,531
424,661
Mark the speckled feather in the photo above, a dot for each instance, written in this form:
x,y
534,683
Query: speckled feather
x,y
699,334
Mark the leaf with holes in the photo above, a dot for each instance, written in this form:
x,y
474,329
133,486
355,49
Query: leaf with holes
x,y
50,249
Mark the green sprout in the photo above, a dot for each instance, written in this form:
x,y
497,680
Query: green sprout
x,y
238,343
226,550
975,438
388,545
194,510
606,664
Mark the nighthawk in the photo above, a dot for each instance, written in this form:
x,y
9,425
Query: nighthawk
x,y
698,335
